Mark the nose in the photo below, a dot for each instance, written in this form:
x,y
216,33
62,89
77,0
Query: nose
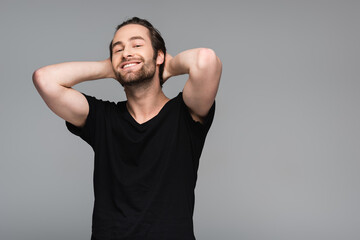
x,y
127,52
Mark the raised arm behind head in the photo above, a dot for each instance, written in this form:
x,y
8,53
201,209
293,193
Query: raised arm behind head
x,y
54,84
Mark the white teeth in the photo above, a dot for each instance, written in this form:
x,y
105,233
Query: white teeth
x,y
129,65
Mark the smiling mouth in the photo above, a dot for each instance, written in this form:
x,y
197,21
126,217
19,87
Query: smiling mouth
x,y
129,65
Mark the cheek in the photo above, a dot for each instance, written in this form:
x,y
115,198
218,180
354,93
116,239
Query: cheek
x,y
115,62
115,66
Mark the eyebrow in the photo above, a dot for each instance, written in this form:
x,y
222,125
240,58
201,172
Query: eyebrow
x,y
131,39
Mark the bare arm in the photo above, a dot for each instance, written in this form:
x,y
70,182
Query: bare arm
x,y
204,69
54,84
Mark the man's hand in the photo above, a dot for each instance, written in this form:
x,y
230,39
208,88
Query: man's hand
x,y
166,73
109,69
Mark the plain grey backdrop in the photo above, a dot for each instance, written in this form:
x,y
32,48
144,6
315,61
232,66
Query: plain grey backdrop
x,y
281,160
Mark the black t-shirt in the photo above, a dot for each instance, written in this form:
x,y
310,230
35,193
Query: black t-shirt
x,y
144,174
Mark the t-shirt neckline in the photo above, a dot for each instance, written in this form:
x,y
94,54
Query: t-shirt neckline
x,y
148,121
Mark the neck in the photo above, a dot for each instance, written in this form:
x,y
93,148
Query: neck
x,y
145,102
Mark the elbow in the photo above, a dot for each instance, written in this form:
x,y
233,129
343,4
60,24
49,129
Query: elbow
x,y
207,59
209,64
37,77
41,81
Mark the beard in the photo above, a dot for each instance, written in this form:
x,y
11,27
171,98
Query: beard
x,y
139,77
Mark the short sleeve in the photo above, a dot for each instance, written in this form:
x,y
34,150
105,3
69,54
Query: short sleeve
x,y
197,131
87,132
200,129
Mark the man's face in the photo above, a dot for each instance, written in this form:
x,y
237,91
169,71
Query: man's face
x,y
133,56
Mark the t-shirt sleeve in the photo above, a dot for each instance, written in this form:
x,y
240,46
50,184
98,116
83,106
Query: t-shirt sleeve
x,y
200,129
88,131
197,130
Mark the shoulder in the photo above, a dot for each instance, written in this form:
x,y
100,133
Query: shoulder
x,y
101,102
100,108
201,121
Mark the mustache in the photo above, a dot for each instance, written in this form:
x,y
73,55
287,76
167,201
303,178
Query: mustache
x,y
132,59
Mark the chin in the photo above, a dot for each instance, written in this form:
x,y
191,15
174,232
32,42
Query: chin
x,y
129,82
143,76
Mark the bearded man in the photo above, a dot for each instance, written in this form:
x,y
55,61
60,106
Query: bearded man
x,y
147,148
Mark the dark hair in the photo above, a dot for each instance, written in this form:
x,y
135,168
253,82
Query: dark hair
x,y
157,41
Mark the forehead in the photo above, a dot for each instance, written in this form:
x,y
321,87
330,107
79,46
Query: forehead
x,y
131,30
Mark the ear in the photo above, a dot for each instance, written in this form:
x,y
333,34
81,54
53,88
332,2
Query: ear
x,y
160,58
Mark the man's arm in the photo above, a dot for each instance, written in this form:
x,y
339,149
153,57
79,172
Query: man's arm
x,y
54,84
204,69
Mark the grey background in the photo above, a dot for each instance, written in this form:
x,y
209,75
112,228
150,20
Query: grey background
x,y
281,160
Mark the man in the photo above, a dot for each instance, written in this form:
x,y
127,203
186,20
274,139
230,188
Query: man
x,y
147,148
